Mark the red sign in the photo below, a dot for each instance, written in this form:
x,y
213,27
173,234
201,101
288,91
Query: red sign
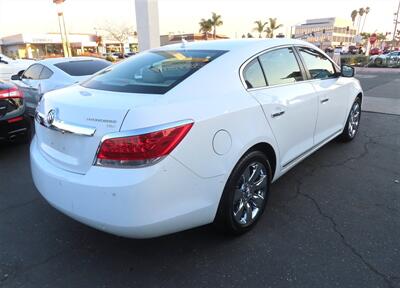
x,y
372,38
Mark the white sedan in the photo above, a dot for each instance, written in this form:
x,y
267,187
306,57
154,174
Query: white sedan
x,y
9,67
391,59
189,134
54,73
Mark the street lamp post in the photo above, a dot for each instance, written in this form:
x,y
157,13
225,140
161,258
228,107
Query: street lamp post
x,y
63,30
396,21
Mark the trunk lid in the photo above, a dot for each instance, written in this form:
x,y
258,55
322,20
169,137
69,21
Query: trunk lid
x,y
79,108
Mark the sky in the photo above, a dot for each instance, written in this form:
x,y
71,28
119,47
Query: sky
x,y
177,16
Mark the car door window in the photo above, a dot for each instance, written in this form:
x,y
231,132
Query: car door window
x,y
33,72
319,66
281,67
253,75
46,73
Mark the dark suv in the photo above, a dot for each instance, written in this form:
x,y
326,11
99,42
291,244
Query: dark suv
x,y
14,124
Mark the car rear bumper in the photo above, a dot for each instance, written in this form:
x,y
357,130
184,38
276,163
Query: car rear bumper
x,y
137,203
12,128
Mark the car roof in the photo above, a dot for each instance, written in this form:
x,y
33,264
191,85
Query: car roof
x,y
235,44
52,61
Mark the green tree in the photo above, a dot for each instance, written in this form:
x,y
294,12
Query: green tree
x,y
272,27
216,21
365,37
380,37
354,15
367,10
260,27
361,12
205,27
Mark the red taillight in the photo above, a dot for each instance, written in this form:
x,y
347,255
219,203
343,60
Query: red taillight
x,y
16,119
139,150
13,92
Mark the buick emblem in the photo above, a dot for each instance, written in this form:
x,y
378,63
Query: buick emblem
x,y
51,116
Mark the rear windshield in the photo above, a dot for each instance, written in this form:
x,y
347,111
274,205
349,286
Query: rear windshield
x,y
153,72
83,67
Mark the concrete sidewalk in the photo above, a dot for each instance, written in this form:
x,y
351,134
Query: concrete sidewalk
x,y
382,89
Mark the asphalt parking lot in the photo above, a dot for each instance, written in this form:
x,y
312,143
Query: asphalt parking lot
x,y
332,221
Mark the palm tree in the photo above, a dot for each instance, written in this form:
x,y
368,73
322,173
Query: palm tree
x,y
215,21
367,10
205,27
272,27
260,27
361,12
354,14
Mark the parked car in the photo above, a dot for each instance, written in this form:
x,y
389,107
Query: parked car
x,y
353,50
391,59
129,54
375,51
9,67
189,134
118,55
110,55
55,73
14,125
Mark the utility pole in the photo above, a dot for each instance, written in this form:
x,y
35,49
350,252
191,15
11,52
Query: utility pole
x,y
63,30
396,21
148,31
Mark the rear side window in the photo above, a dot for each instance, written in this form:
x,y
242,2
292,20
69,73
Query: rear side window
x,y
83,67
153,72
317,64
33,72
281,67
46,73
253,75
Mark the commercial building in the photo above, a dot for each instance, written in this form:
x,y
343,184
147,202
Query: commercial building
x,y
37,46
47,45
327,32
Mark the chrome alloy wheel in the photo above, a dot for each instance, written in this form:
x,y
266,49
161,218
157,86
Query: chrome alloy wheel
x,y
250,194
354,119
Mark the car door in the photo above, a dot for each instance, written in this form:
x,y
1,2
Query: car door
x,y
289,103
331,90
29,84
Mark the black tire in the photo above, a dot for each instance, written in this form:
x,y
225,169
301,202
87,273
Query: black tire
x,y
225,220
378,62
347,134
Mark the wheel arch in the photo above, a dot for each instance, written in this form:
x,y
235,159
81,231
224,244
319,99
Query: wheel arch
x,y
360,95
269,151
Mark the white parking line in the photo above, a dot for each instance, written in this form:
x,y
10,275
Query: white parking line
x,y
366,76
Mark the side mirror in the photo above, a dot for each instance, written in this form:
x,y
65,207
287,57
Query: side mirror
x,y
3,61
347,71
16,77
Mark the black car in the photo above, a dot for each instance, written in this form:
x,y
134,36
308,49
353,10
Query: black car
x,y
14,124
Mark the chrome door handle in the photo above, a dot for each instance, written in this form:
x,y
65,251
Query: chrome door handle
x,y
277,114
324,100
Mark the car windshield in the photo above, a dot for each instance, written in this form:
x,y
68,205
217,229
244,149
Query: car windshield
x,y
153,72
